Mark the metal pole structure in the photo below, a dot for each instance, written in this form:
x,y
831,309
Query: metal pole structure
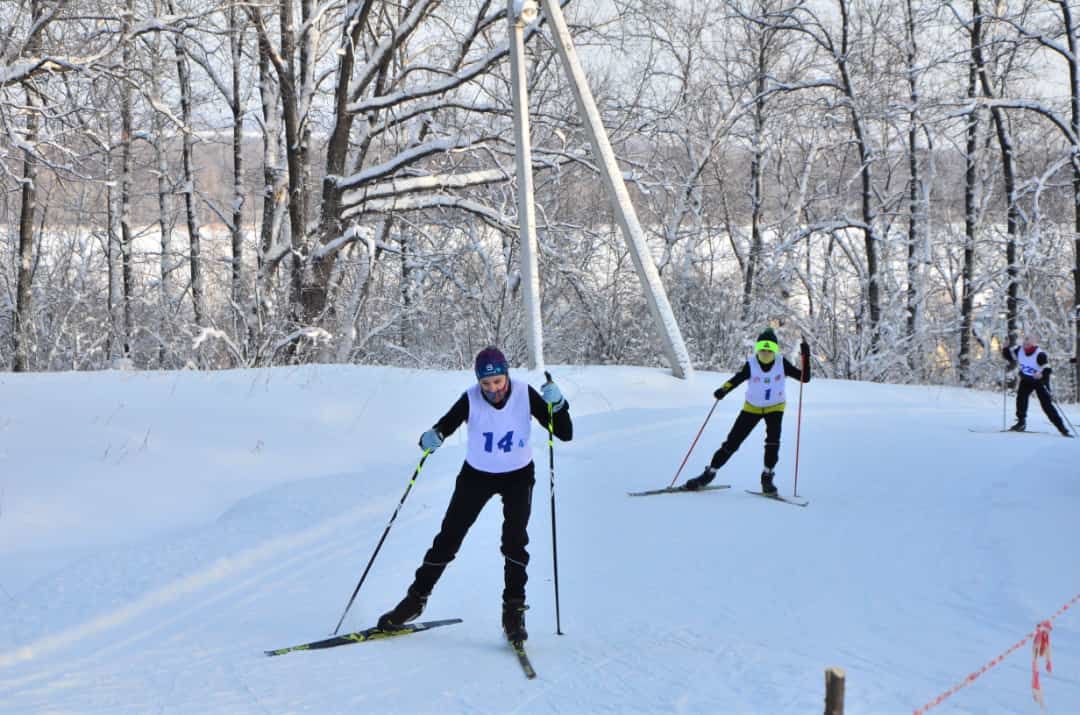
x,y
518,14
656,297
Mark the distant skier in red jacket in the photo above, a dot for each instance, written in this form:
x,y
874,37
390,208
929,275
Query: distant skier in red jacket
x,y
1034,377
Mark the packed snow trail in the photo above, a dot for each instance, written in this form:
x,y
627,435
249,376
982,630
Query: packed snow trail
x,y
160,531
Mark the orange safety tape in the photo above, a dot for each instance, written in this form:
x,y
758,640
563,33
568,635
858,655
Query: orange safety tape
x,y
1041,632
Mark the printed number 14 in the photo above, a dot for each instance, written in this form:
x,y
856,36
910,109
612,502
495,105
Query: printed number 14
x,y
505,444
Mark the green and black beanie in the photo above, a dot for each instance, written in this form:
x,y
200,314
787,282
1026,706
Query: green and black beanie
x,y
767,341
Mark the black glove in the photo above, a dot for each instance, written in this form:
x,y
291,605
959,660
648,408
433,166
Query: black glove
x,y
720,392
804,348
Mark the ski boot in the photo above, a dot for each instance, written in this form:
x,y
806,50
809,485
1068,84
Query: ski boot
x,y
409,609
700,480
513,620
1020,426
767,486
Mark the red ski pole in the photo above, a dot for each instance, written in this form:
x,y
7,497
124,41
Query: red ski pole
x,y
798,425
707,417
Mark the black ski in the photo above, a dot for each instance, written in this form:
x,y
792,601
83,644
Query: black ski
x,y
1003,431
796,501
370,634
681,488
523,658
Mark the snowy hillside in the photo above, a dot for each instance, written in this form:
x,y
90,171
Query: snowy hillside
x,y
159,531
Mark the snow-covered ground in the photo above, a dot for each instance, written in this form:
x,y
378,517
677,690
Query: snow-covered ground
x,y
158,531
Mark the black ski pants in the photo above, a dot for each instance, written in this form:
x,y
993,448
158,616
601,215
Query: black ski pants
x,y
1023,393
471,492
744,425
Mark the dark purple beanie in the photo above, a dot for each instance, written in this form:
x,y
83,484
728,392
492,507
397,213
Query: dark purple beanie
x,y
489,362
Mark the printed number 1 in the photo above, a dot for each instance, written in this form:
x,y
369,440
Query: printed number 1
x,y
505,444
767,393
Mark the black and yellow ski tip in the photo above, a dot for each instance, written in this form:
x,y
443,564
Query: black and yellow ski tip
x,y
369,634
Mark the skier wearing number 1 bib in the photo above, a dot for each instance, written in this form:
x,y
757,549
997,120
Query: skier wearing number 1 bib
x,y
499,413
765,400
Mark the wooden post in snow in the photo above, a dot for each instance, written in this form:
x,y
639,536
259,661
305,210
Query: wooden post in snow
x,y
834,691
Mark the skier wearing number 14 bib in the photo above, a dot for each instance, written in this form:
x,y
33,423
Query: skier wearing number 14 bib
x,y
764,401
499,460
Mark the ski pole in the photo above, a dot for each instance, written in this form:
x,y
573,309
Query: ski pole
x,y
1061,411
379,546
707,417
798,425
1004,397
554,548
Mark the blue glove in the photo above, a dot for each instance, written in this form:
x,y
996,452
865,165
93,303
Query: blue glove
x,y
553,396
430,440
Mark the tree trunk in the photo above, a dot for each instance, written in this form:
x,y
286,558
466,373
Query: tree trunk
x,y
873,292
274,190
349,315
1074,105
23,328
23,318
236,230
290,99
970,203
166,222
183,74
1008,170
756,184
112,251
916,218
337,153
126,160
